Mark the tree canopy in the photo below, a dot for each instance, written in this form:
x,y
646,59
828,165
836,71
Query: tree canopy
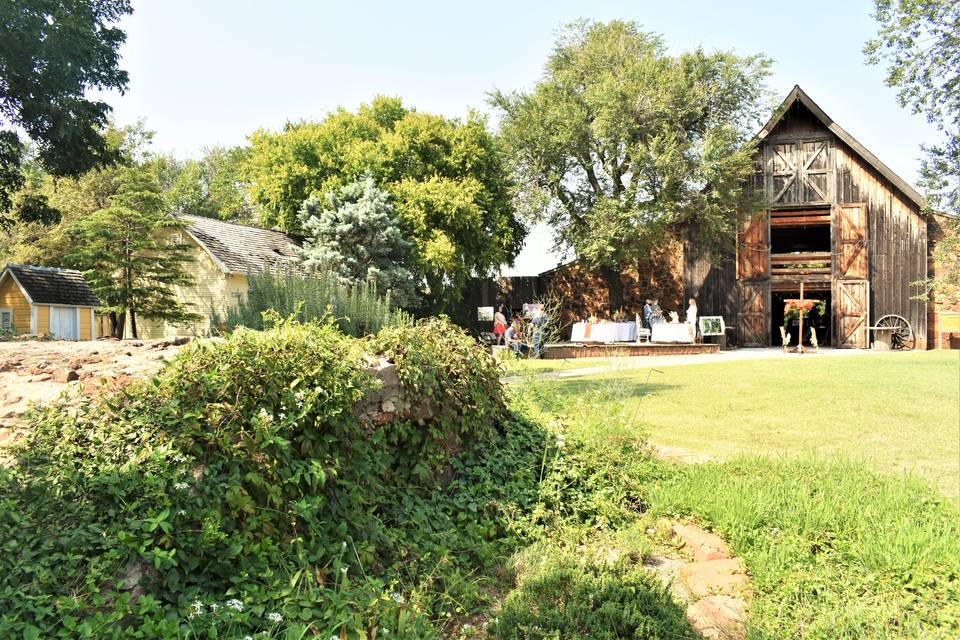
x,y
620,142
211,186
920,42
51,53
448,179
358,237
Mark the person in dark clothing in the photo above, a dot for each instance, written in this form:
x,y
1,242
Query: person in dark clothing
x,y
647,312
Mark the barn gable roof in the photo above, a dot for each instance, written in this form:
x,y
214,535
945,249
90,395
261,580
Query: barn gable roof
x,y
799,95
48,285
239,249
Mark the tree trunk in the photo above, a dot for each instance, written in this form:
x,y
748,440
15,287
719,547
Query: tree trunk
x,y
117,324
133,323
614,288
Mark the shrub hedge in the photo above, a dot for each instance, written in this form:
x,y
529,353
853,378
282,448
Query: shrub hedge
x,y
241,473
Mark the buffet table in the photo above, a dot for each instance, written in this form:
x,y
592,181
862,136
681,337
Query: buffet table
x,y
672,332
604,332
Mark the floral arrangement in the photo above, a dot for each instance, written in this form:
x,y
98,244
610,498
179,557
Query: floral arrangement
x,y
795,308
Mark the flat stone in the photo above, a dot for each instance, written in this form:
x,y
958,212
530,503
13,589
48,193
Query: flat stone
x,y
719,618
702,544
715,577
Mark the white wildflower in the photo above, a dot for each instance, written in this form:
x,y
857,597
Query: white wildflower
x,y
197,609
274,617
213,607
265,415
182,512
343,570
181,486
281,415
235,604
561,441
397,597
247,637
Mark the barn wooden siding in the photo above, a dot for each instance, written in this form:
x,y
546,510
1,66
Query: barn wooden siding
x,y
897,241
896,234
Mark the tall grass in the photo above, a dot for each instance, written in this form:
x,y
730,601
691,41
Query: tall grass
x,y
835,550
316,295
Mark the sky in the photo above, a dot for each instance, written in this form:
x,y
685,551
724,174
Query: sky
x,y
210,72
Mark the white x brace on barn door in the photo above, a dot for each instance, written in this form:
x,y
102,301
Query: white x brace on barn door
x,y
65,322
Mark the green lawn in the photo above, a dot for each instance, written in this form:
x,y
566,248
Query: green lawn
x,y
897,413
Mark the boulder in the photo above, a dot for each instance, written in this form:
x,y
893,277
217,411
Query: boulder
x,y
719,618
715,577
702,544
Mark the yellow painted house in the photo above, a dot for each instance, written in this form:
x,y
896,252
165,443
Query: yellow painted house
x,y
224,254
44,300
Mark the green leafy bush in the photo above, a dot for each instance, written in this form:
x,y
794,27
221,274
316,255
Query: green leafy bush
x,y
312,296
243,472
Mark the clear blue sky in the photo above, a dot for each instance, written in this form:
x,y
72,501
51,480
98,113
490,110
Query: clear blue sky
x,y
207,72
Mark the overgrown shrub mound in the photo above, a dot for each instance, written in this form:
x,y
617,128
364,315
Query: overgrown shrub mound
x,y
242,489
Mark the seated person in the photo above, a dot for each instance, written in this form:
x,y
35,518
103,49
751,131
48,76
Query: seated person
x,y
513,338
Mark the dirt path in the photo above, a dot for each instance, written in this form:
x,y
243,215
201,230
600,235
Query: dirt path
x,y
35,371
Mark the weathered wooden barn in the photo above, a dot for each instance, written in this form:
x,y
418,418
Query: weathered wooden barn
x,y
838,220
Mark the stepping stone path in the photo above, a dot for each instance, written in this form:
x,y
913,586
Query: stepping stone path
x,y
717,585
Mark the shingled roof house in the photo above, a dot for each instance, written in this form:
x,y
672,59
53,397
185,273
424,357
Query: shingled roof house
x,y
225,253
44,300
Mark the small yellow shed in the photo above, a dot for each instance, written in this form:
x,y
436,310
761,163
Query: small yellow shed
x,y
44,300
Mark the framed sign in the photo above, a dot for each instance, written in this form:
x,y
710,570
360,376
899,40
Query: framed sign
x,y
712,325
484,314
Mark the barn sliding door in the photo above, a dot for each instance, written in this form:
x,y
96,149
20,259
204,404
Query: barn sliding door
x,y
851,313
851,270
754,326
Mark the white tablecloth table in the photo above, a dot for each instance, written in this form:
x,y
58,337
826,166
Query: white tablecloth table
x,y
604,332
669,332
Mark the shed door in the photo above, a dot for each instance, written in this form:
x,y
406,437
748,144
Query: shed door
x,y
64,323
753,248
850,236
851,312
754,314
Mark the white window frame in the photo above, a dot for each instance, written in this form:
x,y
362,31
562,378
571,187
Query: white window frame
x,y
4,310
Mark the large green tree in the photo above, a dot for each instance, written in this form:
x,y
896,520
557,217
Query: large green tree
x,y
129,256
621,143
358,237
448,178
43,242
52,52
211,186
919,40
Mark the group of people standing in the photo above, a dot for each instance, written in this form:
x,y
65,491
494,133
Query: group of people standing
x,y
508,330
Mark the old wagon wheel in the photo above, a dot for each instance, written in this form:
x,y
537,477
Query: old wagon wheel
x,y
901,334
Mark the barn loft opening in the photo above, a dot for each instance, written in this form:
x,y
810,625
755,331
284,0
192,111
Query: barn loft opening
x,y
821,322
812,238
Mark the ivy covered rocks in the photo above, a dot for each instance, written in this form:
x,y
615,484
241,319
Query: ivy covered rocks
x,y
247,469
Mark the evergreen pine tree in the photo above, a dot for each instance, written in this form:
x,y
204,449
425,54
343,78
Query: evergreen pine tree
x,y
130,257
359,238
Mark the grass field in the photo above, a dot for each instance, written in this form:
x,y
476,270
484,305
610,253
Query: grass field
x,y
838,543
896,413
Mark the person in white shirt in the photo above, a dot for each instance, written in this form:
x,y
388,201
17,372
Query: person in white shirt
x,y
692,317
